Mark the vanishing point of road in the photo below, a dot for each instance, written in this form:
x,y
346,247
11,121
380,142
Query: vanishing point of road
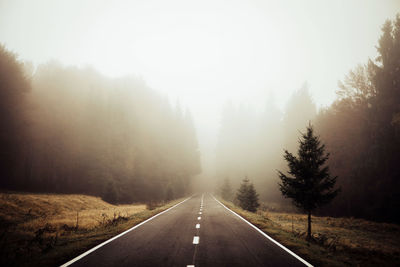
x,y
197,232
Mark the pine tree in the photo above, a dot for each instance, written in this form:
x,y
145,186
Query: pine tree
x,y
252,198
247,196
242,193
311,185
226,190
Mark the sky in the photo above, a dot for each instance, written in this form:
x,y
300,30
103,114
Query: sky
x,y
204,53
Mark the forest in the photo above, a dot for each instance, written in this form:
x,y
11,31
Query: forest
x,y
361,131
73,130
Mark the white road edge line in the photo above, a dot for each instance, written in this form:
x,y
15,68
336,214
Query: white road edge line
x,y
267,236
196,240
119,235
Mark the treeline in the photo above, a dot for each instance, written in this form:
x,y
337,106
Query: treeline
x,y
71,130
361,130
251,143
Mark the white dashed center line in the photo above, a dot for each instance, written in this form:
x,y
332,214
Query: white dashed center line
x,y
196,239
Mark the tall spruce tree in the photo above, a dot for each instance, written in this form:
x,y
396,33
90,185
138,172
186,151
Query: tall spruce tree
x,y
247,196
310,184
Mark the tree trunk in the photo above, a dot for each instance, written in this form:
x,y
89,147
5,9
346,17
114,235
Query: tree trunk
x,y
309,226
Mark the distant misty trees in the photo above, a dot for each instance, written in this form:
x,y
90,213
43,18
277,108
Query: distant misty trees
x,y
73,130
226,190
250,143
300,110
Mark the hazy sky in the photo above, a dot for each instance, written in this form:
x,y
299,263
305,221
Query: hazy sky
x,y
204,52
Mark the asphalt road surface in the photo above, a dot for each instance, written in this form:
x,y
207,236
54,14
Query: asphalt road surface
x,y
197,232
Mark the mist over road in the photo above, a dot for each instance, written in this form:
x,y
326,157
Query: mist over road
x,y
199,232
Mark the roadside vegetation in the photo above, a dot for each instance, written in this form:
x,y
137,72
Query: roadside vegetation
x,y
50,229
334,242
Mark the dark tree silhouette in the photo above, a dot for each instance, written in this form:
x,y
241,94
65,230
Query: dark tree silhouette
x,y
310,185
14,139
247,196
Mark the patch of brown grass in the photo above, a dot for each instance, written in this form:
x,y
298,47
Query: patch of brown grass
x,y
343,233
336,241
49,229
31,211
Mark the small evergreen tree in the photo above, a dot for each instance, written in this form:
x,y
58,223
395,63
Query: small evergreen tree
x,y
252,198
242,193
226,190
247,196
311,185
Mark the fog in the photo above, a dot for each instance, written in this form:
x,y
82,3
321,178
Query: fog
x,y
181,93
204,53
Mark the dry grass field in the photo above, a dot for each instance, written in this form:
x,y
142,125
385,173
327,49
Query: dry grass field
x,y
29,212
336,241
49,229
343,233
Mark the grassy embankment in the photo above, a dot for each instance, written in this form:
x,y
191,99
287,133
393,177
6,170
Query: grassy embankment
x,y
337,241
50,229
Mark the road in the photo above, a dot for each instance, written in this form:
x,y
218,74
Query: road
x,y
197,232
